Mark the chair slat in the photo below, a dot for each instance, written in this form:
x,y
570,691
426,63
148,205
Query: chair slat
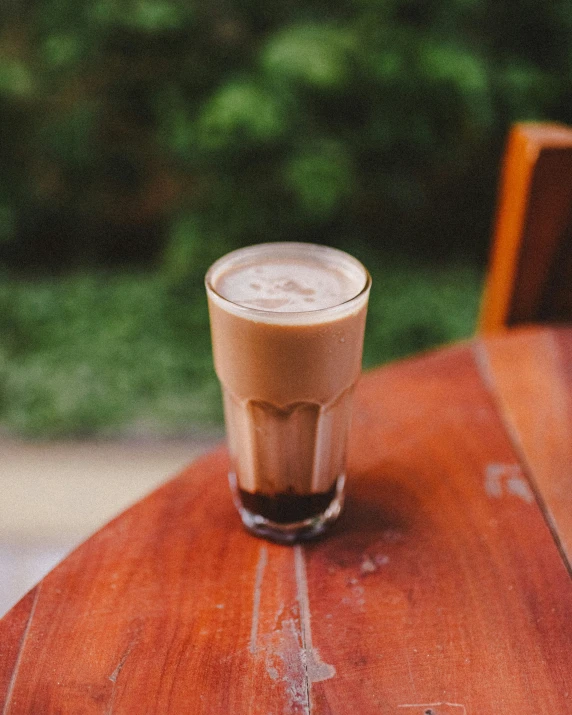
x,y
531,259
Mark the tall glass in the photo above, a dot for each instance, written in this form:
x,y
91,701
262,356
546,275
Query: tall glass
x,y
287,371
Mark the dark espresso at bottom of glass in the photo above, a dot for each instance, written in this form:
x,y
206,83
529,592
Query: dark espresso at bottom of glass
x,y
287,517
287,507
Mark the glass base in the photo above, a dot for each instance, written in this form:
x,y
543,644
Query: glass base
x,y
290,532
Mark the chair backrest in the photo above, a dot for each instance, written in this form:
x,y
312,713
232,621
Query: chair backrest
x,y
530,272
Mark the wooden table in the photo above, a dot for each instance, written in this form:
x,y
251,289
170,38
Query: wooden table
x,y
444,589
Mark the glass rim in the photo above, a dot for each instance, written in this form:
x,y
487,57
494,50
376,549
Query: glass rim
x,y
286,315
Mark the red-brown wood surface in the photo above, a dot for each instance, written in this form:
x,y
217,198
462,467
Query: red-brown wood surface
x,y
440,590
531,375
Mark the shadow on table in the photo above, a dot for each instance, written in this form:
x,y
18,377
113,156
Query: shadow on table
x,y
379,509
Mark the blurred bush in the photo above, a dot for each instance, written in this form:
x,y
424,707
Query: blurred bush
x,y
129,353
164,132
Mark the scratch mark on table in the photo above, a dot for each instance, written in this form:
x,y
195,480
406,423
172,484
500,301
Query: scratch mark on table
x,y
295,676
410,673
283,661
113,677
317,670
119,667
21,650
463,709
262,561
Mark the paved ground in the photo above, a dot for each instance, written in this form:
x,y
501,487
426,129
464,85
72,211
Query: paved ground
x,y
54,495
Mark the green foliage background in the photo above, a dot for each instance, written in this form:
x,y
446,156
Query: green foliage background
x,y
155,135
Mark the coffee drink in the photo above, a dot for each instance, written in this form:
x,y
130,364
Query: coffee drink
x,y
287,324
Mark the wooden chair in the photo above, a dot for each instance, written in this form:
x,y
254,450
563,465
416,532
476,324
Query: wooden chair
x,y
530,272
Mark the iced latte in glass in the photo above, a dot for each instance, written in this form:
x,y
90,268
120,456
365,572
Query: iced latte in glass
x,y
287,324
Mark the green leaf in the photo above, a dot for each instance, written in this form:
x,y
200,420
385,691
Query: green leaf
x,y
527,90
320,177
314,55
455,67
177,128
144,15
62,50
194,244
16,80
242,111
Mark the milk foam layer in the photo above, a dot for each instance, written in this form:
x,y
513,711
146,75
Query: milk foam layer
x,y
284,284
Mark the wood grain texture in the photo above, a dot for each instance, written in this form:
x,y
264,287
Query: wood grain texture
x,y
531,258
155,614
531,376
442,581
440,590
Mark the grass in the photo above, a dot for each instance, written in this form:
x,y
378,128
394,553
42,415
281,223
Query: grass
x,y
130,354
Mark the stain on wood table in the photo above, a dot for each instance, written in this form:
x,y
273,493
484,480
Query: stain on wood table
x,y
443,589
